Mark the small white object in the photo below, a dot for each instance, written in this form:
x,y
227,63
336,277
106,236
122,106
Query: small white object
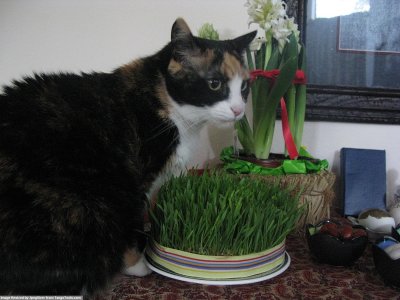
x,y
140,269
381,224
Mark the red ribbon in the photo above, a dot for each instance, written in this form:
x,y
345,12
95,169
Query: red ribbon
x,y
287,134
273,74
299,78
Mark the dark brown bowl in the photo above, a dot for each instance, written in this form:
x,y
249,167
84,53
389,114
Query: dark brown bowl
x,y
388,268
333,250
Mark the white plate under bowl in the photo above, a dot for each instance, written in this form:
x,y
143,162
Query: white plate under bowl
x,y
237,281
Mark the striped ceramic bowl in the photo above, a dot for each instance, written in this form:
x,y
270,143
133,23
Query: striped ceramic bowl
x,y
215,267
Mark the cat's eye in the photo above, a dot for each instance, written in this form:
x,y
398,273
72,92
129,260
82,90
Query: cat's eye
x,y
214,84
245,84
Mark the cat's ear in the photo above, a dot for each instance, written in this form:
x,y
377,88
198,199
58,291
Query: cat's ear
x,y
183,42
180,31
242,42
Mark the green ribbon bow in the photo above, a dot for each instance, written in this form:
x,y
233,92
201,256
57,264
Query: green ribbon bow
x,y
298,166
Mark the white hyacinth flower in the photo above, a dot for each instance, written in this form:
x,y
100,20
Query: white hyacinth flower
x,y
293,27
271,16
262,12
280,32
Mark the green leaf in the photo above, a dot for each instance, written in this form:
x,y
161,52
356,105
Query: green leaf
x,y
245,135
290,50
268,53
290,98
259,90
301,102
250,62
273,62
259,57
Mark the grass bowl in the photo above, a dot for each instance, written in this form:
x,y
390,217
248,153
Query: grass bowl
x,y
332,250
219,226
191,265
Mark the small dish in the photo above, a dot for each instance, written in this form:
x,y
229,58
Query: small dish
x,y
335,250
377,222
376,219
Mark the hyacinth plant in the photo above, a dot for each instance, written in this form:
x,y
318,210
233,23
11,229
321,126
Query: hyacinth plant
x,y
277,62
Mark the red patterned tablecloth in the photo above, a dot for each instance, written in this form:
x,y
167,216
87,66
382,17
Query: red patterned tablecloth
x,y
304,279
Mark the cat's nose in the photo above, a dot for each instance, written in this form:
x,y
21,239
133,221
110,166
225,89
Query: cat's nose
x,y
236,110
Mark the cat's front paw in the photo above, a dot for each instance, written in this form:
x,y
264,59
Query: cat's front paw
x,y
140,269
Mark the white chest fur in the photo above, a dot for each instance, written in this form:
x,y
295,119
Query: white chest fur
x,y
189,136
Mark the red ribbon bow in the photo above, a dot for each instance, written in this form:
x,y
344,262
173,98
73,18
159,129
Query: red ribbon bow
x,y
299,78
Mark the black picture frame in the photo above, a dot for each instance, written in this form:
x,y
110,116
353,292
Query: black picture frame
x,y
346,104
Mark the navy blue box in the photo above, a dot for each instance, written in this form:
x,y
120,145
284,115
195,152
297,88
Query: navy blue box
x,y
363,176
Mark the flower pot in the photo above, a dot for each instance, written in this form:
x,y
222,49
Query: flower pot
x,y
274,161
217,269
315,185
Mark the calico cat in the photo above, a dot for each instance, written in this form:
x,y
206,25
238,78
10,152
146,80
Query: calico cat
x,y
80,154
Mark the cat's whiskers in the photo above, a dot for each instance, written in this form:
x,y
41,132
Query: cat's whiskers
x,y
184,125
178,123
160,129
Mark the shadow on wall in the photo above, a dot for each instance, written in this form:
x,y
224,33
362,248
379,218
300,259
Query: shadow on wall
x,y
338,200
392,176
219,138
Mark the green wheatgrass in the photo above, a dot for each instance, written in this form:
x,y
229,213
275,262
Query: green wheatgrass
x,y
222,214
